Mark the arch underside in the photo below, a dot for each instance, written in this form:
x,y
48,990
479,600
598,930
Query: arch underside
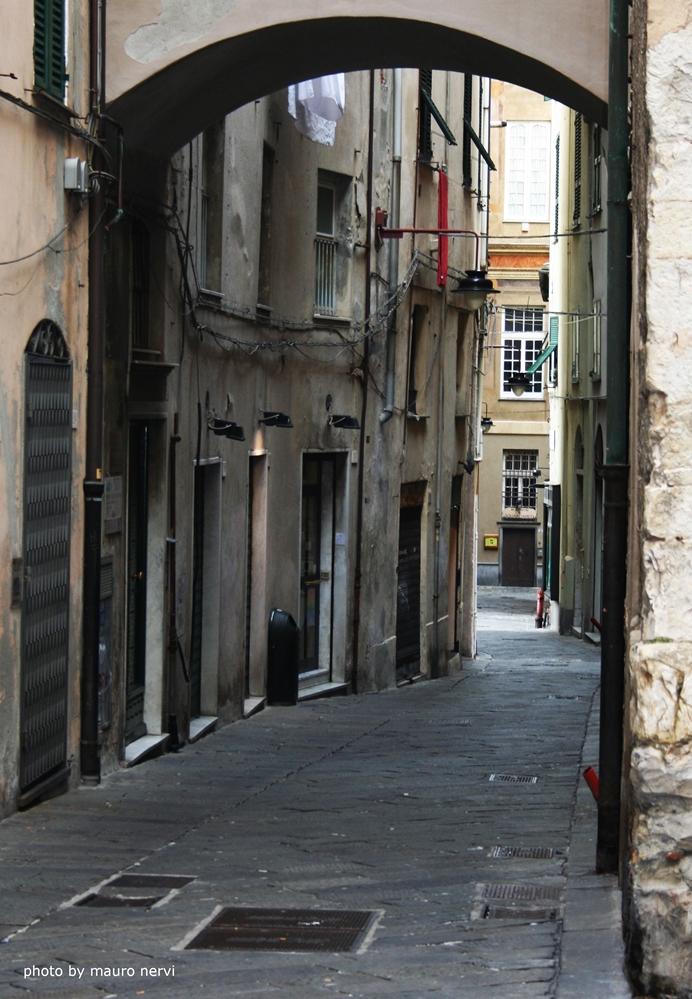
x,y
165,110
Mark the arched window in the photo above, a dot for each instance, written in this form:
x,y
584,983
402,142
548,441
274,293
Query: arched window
x,y
47,340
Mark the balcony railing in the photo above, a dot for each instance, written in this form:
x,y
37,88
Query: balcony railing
x,y
325,276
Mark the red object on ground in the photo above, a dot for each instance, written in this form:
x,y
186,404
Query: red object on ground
x,y
443,223
595,623
591,778
540,601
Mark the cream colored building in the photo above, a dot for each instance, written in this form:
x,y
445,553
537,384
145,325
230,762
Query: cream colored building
x,y
515,441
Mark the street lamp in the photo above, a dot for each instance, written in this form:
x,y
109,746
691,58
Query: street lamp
x,y
519,382
475,288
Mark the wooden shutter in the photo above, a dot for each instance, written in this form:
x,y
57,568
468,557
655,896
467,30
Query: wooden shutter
x,y
49,47
557,186
576,217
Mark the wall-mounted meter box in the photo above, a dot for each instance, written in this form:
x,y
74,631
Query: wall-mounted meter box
x,y
491,541
76,175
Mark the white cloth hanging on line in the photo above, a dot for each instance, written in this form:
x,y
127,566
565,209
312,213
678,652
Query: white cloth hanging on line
x,y
317,105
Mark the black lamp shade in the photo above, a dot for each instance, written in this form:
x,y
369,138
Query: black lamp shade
x,y
345,422
272,419
475,288
226,428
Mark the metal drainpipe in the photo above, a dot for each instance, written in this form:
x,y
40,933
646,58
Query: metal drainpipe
x,y
616,470
364,404
393,269
93,481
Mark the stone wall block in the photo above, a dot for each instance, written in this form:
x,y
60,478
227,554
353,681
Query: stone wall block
x,y
667,511
663,923
667,564
662,772
661,676
658,833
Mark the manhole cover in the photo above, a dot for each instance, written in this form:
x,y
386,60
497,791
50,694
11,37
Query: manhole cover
x,y
168,881
513,779
119,902
521,893
507,912
523,852
285,929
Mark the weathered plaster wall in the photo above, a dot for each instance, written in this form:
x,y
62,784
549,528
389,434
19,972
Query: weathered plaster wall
x,y
660,680
49,284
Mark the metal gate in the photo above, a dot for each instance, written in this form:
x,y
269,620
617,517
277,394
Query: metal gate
x,y
408,594
45,612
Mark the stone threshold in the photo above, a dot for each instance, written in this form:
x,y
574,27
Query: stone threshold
x,y
322,690
251,705
142,748
201,726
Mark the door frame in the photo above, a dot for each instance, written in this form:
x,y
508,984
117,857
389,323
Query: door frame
x,y
525,525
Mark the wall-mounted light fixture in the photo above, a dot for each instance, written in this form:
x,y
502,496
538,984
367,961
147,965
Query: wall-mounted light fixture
x,y
226,428
486,424
272,419
519,382
345,422
475,288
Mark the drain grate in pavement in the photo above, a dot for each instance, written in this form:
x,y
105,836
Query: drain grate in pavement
x,y
507,912
118,902
285,930
521,893
523,852
513,779
452,721
168,881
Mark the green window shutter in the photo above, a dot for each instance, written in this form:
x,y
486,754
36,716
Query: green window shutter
x,y
49,47
425,118
41,60
551,346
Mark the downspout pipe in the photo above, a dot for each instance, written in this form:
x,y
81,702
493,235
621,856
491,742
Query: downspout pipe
x,y
393,268
90,763
616,468
364,402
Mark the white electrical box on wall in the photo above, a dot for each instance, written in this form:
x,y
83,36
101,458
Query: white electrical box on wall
x,y
76,175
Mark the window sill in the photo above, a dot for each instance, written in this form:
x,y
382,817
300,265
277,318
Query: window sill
x,y
208,293
319,317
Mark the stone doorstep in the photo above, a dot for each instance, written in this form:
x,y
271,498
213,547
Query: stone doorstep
x,y
322,690
201,726
142,748
251,705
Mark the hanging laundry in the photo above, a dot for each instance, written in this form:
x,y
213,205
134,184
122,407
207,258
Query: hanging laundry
x,y
317,105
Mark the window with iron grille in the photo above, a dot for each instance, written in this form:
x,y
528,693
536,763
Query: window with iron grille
x,y
522,342
528,170
596,159
557,187
576,215
325,252
596,367
518,483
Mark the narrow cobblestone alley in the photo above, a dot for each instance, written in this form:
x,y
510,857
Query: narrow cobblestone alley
x,y
379,802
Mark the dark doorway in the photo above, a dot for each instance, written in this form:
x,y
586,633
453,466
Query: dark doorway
x,y
197,595
408,594
46,549
518,556
137,538
310,562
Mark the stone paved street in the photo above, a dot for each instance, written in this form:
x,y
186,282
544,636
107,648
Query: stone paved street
x,y
377,802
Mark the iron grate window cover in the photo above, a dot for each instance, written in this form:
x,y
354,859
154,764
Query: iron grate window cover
x,y
521,893
518,484
425,118
557,187
512,779
508,912
285,930
522,852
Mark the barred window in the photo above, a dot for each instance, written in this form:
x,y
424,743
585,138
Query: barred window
x,y
518,483
522,343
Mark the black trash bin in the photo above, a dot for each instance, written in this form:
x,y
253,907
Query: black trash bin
x,y
282,658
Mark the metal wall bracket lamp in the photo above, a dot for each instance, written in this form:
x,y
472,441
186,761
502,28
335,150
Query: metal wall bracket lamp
x,y
475,287
226,428
272,419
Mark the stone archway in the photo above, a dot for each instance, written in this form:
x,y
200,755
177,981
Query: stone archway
x,y
169,76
